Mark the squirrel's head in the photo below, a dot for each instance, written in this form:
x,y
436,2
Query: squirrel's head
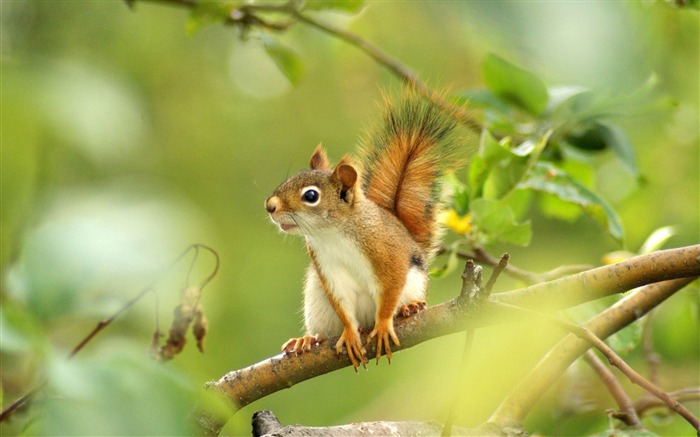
x,y
317,198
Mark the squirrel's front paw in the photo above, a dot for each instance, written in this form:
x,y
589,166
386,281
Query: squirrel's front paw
x,y
383,330
301,344
356,352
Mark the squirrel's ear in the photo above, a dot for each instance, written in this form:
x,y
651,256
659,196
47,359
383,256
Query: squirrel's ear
x,y
346,173
319,160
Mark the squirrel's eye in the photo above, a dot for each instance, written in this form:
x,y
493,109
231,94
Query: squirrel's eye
x,y
310,196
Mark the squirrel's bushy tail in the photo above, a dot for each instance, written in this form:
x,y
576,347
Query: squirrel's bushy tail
x,y
403,160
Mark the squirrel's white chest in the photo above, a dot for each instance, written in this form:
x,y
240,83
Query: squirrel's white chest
x,y
348,273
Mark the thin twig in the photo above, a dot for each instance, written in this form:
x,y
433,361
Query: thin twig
x,y
106,322
498,268
682,395
627,412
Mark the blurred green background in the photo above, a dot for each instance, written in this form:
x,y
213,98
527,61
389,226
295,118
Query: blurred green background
x,y
124,139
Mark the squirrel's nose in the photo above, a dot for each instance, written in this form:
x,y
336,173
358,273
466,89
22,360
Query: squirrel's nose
x,y
272,203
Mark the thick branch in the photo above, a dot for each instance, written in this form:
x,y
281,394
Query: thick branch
x,y
607,280
247,385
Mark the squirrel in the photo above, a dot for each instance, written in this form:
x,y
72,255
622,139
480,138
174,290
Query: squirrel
x,y
371,227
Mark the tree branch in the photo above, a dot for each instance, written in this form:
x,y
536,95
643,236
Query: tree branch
x,y
682,395
520,401
627,413
246,385
587,335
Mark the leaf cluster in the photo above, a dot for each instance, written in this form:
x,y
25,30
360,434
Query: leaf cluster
x,y
539,142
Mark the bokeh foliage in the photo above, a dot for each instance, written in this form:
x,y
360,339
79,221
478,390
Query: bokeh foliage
x,y
129,134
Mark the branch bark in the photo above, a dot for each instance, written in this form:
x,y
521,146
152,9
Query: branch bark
x,y
246,385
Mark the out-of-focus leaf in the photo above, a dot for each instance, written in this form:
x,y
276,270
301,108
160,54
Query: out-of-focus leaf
x,y
505,174
20,332
347,6
566,101
614,137
482,98
590,138
285,58
459,193
626,340
477,174
450,264
546,178
119,391
519,202
657,239
497,221
554,207
514,84
206,13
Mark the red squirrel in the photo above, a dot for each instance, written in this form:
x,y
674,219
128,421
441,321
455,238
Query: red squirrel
x,y
370,226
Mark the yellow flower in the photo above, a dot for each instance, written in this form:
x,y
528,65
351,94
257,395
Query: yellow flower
x,y
616,257
459,224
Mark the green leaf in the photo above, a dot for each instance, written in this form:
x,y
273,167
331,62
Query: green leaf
x,y
105,394
348,6
568,100
601,135
207,13
554,207
620,144
626,340
546,178
519,201
20,332
657,239
505,174
497,221
589,138
450,265
285,58
515,85
482,98
460,194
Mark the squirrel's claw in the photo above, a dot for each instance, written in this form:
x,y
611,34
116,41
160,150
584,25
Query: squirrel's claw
x,y
412,308
353,346
301,344
383,330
